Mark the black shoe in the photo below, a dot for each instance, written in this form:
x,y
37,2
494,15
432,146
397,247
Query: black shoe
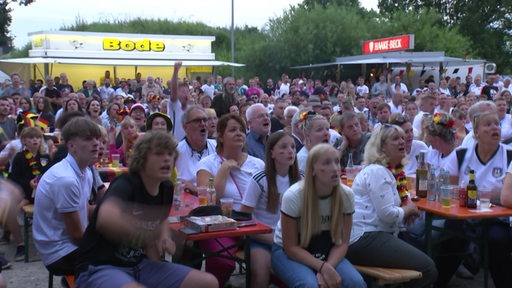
x,y
4,263
6,238
20,253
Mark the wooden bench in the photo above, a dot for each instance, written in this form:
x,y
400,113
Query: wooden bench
x,y
384,276
28,213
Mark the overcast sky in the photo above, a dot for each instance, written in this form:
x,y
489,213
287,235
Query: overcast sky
x,y
50,15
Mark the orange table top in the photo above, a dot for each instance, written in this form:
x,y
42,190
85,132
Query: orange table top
x,y
457,212
259,228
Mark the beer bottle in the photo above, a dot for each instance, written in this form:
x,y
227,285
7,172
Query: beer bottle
x,y
472,194
421,176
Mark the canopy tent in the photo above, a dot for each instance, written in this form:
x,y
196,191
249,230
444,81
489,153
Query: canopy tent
x,y
396,57
88,55
118,62
403,58
3,76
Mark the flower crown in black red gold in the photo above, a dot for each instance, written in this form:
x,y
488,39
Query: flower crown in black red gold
x,y
304,115
437,121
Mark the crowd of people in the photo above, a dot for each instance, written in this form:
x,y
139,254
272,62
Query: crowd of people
x,y
276,148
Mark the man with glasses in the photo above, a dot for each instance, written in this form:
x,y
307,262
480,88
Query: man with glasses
x,y
258,121
194,147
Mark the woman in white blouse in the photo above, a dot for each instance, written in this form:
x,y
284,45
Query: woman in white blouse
x,y
381,207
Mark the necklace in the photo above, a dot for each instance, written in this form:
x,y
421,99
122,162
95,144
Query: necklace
x,y
32,162
401,182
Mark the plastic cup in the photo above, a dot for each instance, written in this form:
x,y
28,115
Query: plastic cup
x,y
202,195
484,195
411,182
115,160
226,204
446,196
351,175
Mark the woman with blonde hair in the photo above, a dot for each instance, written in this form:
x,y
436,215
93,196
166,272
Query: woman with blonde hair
x,y
129,134
316,130
312,234
381,207
29,164
211,125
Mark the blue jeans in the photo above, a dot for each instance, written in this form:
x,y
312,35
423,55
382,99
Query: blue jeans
x,y
295,274
147,272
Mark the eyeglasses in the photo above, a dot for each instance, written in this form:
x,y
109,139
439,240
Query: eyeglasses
x,y
262,116
198,120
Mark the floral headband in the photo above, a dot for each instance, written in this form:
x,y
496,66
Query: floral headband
x,y
154,97
437,121
123,112
304,115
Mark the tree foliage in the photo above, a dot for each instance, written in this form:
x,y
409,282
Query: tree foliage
x,y
487,23
429,32
6,20
318,31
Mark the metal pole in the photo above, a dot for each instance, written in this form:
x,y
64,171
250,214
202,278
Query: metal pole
x,y
233,37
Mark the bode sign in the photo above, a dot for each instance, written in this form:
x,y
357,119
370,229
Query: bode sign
x,y
396,43
112,44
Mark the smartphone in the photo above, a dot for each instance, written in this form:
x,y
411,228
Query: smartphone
x,y
415,198
246,223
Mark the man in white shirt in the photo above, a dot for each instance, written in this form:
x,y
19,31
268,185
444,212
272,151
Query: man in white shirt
x,y
62,198
285,85
427,107
194,147
443,87
477,86
361,89
361,106
398,86
396,103
106,91
208,87
180,94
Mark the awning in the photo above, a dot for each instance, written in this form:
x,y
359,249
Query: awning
x,y
396,58
118,62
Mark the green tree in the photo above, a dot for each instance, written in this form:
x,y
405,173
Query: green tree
x,y
319,34
309,4
487,23
430,34
5,22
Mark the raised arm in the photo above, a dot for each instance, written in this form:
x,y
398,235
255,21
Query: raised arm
x,y
174,81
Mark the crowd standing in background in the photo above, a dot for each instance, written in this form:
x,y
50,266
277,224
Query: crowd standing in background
x,y
225,128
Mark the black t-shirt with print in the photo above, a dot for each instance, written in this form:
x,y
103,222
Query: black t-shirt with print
x,y
96,249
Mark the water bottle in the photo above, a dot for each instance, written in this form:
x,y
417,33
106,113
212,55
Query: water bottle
x,y
212,193
432,185
444,179
350,170
178,195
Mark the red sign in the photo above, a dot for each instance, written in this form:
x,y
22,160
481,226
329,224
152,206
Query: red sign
x,y
396,43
